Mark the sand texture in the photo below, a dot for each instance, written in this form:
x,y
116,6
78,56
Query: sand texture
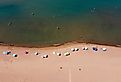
x,y
79,66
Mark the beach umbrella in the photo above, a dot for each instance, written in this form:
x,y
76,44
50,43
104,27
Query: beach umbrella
x,y
73,49
14,55
95,48
76,49
26,52
54,52
36,53
6,52
45,56
66,54
104,49
58,54
84,48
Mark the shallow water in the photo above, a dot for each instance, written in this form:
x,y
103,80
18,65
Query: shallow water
x,y
44,22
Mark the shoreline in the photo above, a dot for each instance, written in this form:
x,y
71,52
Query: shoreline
x,y
58,45
96,65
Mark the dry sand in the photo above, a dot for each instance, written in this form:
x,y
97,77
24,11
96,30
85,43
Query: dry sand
x,y
80,66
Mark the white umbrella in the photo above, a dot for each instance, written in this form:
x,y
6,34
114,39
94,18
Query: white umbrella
x,y
66,54
76,49
84,48
6,52
14,55
104,49
58,54
73,49
36,53
54,52
45,56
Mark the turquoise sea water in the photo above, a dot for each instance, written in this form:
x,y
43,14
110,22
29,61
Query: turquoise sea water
x,y
45,22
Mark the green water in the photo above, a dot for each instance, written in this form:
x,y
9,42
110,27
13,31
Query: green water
x,y
45,22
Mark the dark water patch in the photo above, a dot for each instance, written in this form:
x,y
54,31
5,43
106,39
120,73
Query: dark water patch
x,y
47,22
9,11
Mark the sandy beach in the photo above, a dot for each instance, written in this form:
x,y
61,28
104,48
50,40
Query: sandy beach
x,y
80,66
